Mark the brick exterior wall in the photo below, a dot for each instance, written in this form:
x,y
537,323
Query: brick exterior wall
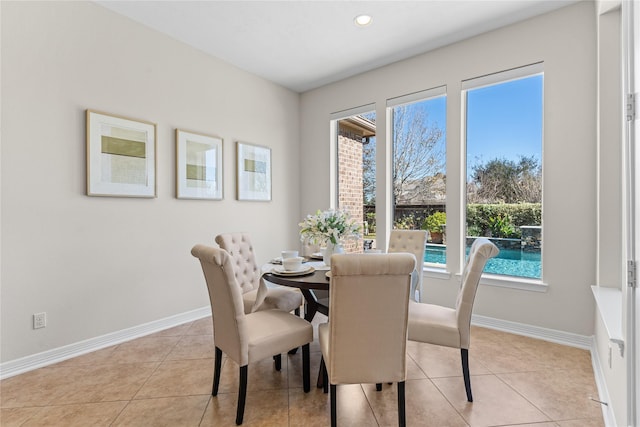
x,y
350,181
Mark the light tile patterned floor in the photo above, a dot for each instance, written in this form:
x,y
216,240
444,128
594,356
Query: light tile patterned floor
x,y
165,380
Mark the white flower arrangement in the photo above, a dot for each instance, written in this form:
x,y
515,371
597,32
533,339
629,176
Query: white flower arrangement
x,y
331,226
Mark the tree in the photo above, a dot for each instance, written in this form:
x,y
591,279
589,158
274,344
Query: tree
x,y
418,152
369,165
506,181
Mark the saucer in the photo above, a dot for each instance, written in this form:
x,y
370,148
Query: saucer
x,y
280,271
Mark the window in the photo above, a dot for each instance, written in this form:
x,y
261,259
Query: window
x,y
356,173
503,133
418,123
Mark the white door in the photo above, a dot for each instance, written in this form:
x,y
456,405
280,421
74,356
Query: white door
x,y
631,26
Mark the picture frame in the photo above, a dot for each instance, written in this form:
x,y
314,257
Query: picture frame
x,y
121,156
253,169
199,164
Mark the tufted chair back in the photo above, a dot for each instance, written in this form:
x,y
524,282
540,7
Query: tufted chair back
x,y
239,246
451,327
481,251
365,340
413,242
229,325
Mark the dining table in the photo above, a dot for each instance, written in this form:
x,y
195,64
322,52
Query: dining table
x,y
309,284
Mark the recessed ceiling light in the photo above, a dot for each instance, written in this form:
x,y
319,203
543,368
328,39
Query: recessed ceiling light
x,y
362,20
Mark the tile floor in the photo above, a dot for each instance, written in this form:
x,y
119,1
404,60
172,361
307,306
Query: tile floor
x,y
165,379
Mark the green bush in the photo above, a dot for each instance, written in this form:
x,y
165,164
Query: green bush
x,y
435,222
501,226
479,216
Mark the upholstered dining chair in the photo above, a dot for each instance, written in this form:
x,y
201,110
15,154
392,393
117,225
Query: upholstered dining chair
x,y
413,242
451,327
365,340
247,338
255,294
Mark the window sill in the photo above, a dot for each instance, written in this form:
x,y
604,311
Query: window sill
x,y
512,282
491,280
609,303
435,273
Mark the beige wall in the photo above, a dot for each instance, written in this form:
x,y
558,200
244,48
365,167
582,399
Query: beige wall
x,y
566,41
96,264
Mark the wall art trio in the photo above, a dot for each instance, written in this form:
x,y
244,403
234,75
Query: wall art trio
x,y
122,162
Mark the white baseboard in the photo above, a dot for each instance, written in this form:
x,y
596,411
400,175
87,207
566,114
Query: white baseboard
x,y
552,335
49,357
603,392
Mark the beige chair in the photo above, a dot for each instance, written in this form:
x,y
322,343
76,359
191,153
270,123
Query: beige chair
x,y
451,327
413,242
255,293
365,340
247,338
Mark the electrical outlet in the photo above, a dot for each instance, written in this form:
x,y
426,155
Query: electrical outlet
x,y
39,320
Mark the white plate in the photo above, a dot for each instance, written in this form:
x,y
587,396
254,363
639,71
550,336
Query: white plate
x,y
280,271
317,255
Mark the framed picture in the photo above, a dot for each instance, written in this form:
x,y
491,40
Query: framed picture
x,y
121,156
198,166
254,172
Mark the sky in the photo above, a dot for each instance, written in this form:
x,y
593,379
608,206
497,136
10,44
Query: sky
x,y
503,121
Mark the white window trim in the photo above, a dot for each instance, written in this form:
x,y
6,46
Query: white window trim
x,y
343,114
511,282
504,281
502,76
398,101
422,95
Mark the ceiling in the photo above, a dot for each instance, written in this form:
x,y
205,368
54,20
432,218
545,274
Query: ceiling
x,y
303,45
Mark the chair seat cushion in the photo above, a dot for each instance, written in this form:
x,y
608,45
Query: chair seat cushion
x,y
280,298
433,324
271,332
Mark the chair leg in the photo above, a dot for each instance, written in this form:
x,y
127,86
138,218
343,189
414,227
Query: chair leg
x,y
297,313
465,372
306,381
378,386
332,396
278,361
402,417
242,394
325,376
216,371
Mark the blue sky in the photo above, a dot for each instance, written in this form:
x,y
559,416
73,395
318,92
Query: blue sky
x,y
503,121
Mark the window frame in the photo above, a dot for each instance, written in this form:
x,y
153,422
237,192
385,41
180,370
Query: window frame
x,y
412,98
500,77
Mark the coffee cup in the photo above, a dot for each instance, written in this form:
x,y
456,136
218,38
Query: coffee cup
x,y
289,254
292,264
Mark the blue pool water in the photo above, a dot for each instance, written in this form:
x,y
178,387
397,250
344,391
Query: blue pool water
x,y
510,262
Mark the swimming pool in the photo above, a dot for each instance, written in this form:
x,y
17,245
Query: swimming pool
x,y
510,262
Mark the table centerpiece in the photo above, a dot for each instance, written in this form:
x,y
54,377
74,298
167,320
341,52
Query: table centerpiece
x,y
329,228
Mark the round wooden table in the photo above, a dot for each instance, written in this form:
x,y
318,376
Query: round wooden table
x,y
317,280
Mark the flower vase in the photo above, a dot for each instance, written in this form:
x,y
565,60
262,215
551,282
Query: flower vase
x,y
332,248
